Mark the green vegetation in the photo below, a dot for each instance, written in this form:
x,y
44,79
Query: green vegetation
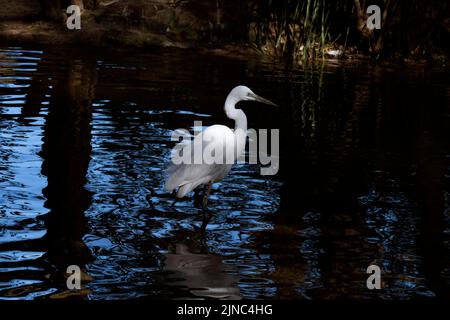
x,y
296,29
307,29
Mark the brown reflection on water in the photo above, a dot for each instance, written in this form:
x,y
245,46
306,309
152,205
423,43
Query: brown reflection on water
x,y
343,152
431,192
66,154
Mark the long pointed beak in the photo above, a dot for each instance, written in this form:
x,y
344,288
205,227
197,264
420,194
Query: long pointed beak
x,y
262,100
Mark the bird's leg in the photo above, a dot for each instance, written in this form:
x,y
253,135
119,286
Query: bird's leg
x,y
206,217
206,195
198,197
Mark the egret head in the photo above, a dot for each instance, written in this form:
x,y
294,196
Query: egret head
x,y
243,93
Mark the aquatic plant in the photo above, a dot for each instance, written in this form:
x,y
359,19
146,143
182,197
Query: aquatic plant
x,y
308,29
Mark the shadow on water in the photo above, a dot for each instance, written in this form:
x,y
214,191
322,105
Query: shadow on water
x,y
66,153
364,179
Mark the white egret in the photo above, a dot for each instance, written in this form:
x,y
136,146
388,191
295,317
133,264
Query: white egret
x,y
188,176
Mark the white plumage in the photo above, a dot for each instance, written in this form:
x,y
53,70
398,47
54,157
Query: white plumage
x,y
227,144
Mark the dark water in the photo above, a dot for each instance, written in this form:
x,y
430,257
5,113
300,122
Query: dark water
x,y
364,179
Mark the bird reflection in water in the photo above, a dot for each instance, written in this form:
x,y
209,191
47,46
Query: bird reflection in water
x,y
205,274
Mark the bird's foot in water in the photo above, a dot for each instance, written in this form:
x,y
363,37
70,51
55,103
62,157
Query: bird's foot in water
x,y
205,204
207,215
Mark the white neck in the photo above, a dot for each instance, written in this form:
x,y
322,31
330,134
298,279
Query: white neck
x,y
240,123
236,114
